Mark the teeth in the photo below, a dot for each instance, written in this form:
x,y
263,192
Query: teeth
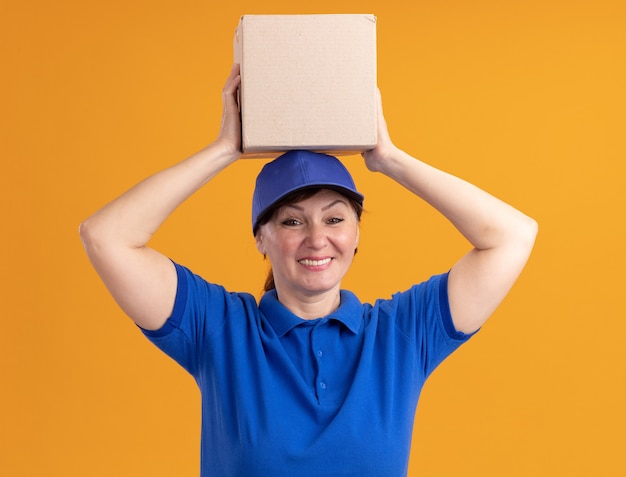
x,y
314,263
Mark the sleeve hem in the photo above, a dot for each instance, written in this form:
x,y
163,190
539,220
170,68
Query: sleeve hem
x,y
180,302
446,314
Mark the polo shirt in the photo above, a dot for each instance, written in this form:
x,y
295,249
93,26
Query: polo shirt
x,y
283,396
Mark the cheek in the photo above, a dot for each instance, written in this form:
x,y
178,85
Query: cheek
x,y
282,246
347,241
353,236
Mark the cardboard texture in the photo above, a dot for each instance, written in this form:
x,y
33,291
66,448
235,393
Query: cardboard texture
x,y
307,82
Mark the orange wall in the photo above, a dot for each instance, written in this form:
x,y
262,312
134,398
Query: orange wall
x,y
525,99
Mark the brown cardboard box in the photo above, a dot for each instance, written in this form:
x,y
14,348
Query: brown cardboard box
x,y
307,82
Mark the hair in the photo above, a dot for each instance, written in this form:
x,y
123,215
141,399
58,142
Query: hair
x,y
293,198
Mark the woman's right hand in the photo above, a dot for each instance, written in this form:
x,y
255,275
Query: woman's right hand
x,y
229,137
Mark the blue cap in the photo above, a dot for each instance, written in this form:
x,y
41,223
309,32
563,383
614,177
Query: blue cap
x,y
296,170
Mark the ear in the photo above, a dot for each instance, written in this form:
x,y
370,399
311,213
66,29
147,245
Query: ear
x,y
260,246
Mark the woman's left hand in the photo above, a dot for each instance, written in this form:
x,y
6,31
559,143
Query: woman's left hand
x,y
376,158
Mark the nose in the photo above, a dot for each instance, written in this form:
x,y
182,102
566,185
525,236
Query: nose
x,y
316,236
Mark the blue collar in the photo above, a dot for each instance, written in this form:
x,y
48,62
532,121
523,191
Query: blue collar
x,y
349,313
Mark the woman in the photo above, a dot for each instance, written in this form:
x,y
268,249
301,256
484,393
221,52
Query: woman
x,y
309,381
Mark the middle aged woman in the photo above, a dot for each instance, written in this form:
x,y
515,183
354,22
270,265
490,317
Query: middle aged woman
x,y
308,381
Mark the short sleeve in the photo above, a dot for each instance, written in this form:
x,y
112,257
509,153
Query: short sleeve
x,y
200,310
423,314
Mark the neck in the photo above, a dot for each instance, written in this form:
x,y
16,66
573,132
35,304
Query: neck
x,y
310,306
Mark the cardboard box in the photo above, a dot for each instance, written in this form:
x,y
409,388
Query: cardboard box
x,y
307,82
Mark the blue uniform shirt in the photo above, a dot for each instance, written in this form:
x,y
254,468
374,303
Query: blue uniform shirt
x,y
283,396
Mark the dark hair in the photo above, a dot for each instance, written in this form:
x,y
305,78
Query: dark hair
x,y
292,198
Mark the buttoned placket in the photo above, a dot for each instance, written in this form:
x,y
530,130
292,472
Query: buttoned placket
x,y
318,350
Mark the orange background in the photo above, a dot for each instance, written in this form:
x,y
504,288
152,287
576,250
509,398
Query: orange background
x,y
525,99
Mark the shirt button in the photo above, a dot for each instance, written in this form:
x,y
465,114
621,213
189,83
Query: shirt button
x,y
320,353
323,385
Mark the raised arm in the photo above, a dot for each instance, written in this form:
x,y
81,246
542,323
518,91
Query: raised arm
x,y
502,237
140,279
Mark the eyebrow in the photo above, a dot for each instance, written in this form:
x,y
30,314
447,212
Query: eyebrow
x,y
326,207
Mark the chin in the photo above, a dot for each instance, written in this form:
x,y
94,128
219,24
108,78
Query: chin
x,y
318,288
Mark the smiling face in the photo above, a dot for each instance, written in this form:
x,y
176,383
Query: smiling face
x,y
310,245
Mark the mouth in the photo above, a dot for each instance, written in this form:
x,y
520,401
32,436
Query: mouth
x,y
308,262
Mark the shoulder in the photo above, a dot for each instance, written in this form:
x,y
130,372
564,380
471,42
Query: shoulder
x,y
429,296
190,283
423,308
203,304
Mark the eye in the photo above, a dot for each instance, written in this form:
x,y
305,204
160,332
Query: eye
x,y
334,220
291,222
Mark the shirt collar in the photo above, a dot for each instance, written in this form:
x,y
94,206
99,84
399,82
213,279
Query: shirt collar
x,y
349,313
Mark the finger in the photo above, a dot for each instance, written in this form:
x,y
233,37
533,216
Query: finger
x,y
233,81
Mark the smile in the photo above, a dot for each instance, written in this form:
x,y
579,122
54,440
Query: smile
x,y
314,263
